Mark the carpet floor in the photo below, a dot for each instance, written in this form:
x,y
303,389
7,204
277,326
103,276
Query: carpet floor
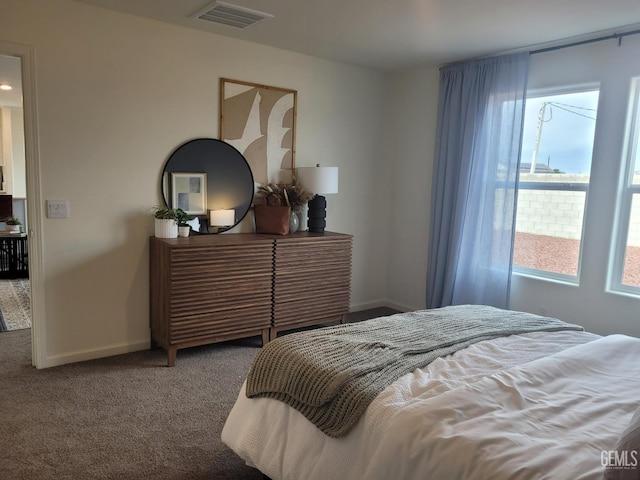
x,y
123,417
15,304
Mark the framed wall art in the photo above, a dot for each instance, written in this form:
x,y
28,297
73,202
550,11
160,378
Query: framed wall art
x,y
260,121
189,192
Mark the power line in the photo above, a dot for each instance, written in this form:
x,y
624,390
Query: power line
x,y
574,106
541,121
558,105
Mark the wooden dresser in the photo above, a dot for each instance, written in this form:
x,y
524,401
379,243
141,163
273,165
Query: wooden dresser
x,y
311,280
212,288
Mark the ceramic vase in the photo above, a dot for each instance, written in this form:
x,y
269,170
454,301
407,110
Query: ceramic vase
x,y
294,222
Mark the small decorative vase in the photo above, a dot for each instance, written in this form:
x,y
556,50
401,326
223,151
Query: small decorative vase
x,y
184,231
294,222
166,228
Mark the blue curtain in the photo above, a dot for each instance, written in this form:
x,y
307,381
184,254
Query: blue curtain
x,y
473,200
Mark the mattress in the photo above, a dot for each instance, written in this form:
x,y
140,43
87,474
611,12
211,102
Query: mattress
x,y
537,405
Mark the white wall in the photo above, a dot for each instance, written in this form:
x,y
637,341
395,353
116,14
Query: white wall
x,y
412,131
589,303
17,149
116,95
13,151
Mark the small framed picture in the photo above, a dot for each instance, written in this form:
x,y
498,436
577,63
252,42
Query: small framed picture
x,y
189,192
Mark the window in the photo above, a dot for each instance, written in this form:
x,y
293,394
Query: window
x,y
626,262
554,181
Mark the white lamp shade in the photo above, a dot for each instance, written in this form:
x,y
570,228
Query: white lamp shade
x,y
319,180
222,218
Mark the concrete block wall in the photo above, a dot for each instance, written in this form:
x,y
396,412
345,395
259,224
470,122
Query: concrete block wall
x,y
560,213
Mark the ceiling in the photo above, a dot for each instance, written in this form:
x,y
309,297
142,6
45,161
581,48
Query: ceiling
x,y
398,34
388,35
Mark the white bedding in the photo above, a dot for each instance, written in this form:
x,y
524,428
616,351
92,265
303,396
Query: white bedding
x,y
539,405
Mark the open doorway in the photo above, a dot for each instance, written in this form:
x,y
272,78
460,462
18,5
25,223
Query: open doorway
x,y
34,210
15,300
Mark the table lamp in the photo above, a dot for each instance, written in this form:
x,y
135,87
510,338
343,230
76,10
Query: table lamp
x,y
321,181
222,218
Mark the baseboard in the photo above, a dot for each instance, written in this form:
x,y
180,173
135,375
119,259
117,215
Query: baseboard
x,y
358,307
92,354
400,307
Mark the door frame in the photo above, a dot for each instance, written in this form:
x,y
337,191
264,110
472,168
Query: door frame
x,y
39,354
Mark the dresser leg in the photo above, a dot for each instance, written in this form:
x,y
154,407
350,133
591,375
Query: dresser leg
x,y
343,318
171,356
273,334
265,336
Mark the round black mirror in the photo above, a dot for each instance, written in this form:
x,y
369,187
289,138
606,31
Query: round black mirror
x,y
211,180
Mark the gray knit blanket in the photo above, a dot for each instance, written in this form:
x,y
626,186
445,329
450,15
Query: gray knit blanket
x,y
331,374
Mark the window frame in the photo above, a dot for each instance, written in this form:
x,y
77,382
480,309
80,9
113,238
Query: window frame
x,y
547,275
624,200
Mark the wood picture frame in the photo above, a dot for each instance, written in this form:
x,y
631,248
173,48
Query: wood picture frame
x,y
189,192
260,121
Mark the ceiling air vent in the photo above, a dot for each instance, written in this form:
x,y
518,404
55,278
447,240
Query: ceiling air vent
x,y
231,15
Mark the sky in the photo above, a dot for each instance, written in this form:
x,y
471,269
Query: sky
x,y
566,138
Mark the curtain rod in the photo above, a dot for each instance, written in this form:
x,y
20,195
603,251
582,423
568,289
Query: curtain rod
x,y
613,36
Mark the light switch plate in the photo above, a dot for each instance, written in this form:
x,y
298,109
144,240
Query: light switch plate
x,y
57,208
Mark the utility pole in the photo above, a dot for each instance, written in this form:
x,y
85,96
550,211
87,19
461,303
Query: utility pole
x,y
536,143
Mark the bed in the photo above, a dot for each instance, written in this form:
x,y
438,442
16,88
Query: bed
x,y
552,402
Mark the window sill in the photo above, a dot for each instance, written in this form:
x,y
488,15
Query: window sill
x,y
621,292
549,278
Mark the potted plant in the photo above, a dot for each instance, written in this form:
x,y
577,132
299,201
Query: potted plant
x,y
182,218
166,225
292,195
13,224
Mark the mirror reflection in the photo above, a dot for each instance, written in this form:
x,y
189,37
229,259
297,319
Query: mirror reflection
x,y
211,181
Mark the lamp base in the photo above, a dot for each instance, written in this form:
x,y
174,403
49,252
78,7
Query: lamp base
x,y
317,214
